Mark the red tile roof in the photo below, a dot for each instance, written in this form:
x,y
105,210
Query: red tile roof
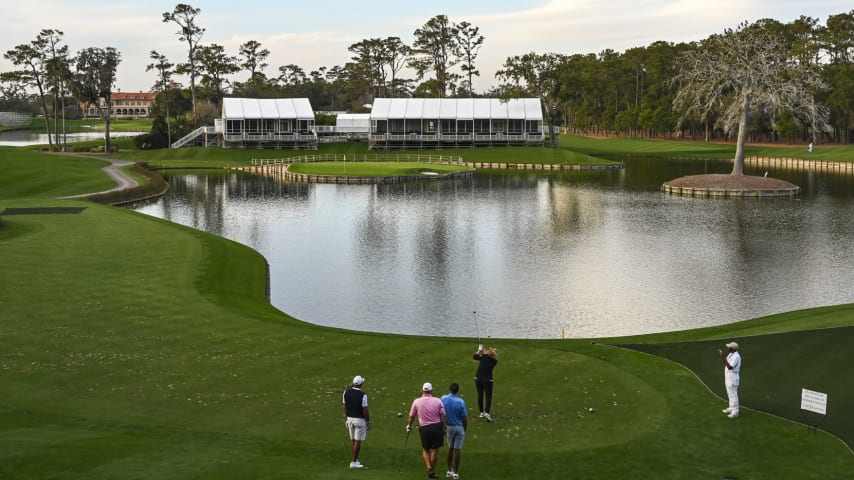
x,y
134,96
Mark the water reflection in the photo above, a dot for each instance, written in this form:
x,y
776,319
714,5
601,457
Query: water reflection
x,y
592,253
24,138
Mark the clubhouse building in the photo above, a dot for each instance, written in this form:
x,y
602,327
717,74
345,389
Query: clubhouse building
x,y
125,106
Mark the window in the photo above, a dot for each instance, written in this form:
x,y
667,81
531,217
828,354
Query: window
x,y
447,126
379,126
413,126
253,126
533,126
233,127
481,126
396,126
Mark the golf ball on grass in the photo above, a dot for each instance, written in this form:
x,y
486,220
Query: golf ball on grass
x,y
399,414
591,410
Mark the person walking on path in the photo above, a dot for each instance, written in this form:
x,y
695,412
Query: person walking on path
x,y
732,371
487,359
456,421
358,418
431,421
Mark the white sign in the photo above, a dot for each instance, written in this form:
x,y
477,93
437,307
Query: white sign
x,y
813,401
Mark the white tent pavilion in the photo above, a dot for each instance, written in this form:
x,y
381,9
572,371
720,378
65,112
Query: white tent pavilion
x,y
274,122
353,125
455,122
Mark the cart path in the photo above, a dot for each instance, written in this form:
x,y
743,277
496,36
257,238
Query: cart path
x,y
113,170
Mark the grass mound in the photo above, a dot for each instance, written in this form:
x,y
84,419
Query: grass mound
x,y
374,169
731,182
776,368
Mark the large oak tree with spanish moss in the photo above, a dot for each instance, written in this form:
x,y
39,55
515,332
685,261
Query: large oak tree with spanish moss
x,y
747,70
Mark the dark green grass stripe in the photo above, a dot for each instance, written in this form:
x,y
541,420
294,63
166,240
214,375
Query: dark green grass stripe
x,y
44,211
776,368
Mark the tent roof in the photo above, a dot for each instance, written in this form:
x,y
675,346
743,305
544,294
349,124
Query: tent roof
x,y
456,108
266,108
353,116
353,122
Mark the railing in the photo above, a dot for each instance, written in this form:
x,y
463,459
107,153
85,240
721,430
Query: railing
x,y
269,137
799,164
329,157
186,139
451,137
382,137
465,137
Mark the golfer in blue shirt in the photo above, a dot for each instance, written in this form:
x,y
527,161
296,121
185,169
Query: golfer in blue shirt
x,y
455,420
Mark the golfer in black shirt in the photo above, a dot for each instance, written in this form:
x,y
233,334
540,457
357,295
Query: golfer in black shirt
x,y
487,359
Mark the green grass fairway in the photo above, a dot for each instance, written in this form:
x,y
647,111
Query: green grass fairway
x,y
133,348
373,169
776,368
221,157
698,149
25,173
573,150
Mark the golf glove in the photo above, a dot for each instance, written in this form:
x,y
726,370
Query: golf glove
x,y
408,428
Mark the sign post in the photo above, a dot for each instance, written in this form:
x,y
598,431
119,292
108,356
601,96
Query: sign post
x,y
815,402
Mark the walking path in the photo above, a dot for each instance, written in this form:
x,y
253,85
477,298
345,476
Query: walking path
x,y
113,170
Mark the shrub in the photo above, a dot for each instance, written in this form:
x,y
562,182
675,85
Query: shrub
x,y
156,185
101,148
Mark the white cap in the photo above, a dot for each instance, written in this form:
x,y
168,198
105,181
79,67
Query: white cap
x,y
358,380
427,387
732,345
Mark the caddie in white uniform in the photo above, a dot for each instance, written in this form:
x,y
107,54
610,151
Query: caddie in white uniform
x,y
732,370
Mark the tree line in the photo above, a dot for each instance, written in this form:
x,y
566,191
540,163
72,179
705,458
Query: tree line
x,y
632,93
636,93
45,65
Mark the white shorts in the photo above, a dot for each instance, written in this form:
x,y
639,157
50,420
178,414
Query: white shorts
x,y
456,434
357,427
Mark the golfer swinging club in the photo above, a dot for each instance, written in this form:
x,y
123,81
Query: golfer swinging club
x,y
487,359
732,370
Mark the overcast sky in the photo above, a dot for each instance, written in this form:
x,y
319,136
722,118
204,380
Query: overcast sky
x,y
317,33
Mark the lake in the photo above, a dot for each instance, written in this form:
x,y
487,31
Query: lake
x,y
535,255
25,138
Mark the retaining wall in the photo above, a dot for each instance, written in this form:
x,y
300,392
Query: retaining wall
x,y
722,192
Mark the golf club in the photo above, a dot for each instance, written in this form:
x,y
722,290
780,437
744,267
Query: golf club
x,y
348,449
402,452
348,444
476,325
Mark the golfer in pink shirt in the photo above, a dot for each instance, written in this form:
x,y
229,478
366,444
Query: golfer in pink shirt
x,y
431,421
